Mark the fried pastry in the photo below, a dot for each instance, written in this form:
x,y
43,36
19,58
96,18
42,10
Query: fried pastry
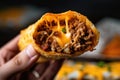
x,y
60,35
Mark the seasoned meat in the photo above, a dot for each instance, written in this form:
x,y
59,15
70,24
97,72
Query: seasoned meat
x,y
81,37
51,33
62,35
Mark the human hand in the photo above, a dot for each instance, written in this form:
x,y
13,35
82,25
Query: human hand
x,y
22,65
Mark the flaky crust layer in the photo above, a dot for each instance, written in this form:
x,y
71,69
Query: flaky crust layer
x,y
26,35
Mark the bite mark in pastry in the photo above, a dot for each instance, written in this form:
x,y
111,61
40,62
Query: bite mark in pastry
x,y
60,35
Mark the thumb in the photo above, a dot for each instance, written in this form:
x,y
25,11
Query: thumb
x,y
20,62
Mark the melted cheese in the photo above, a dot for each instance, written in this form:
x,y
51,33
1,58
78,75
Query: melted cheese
x,y
94,71
64,38
91,69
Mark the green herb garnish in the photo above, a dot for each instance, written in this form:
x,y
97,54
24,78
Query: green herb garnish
x,y
109,68
101,64
63,30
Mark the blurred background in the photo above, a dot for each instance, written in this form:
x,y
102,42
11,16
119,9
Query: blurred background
x,y
18,14
105,14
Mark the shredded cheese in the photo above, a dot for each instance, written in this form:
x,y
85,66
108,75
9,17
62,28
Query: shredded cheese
x,y
89,68
64,38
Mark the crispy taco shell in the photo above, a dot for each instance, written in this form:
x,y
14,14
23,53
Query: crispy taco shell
x,y
60,35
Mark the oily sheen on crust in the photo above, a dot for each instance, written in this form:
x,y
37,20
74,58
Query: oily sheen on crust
x,y
60,35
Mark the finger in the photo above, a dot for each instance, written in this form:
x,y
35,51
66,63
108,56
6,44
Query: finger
x,y
30,76
16,77
22,61
12,44
38,70
10,49
2,61
51,70
6,55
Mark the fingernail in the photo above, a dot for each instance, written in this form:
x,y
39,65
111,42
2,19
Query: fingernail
x,y
30,51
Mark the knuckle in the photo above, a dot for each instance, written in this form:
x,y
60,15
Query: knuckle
x,y
3,52
17,61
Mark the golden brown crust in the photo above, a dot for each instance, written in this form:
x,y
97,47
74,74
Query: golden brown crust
x,y
26,36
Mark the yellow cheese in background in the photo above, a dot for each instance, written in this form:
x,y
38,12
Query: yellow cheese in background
x,y
115,67
89,68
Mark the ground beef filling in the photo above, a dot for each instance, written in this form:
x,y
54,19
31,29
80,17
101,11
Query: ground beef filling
x,y
81,37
